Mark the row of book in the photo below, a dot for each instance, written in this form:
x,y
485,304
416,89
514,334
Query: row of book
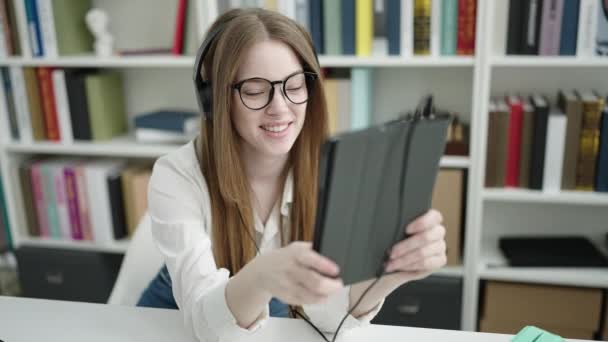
x,y
557,27
376,27
62,104
537,145
98,200
5,229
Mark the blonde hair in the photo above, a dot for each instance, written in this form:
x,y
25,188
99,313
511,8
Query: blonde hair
x,y
220,162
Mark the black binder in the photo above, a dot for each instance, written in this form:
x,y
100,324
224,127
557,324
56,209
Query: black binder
x,y
371,184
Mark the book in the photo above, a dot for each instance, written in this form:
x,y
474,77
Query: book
x,y
106,105
73,35
587,28
532,14
527,134
569,102
316,25
449,27
554,151
537,164
33,25
364,24
497,145
515,27
467,17
569,30
171,120
379,28
9,100
361,97
393,26
593,106
178,34
34,103
78,103
27,192
601,182
551,26
436,25
62,107
514,141
49,108
422,27
332,27
46,20
96,175
407,28
22,110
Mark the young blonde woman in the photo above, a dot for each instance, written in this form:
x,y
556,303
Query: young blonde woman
x,y
233,211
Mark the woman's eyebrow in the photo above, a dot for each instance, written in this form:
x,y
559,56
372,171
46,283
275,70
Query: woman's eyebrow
x,y
281,79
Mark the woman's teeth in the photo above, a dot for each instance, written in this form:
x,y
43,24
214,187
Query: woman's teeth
x,y
275,129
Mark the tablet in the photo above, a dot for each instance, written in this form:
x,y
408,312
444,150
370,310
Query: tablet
x,y
372,183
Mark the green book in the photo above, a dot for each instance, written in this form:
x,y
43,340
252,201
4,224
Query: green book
x,y
106,104
4,217
449,27
332,27
73,36
50,200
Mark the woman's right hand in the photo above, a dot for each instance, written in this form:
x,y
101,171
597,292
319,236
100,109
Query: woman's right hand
x,y
296,274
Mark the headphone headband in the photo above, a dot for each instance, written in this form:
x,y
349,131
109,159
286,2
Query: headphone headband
x,y
202,88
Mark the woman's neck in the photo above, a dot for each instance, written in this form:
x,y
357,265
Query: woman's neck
x,y
265,169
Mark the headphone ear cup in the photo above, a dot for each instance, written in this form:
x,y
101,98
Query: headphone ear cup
x,y
206,95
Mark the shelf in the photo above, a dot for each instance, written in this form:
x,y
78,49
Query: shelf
x,y
117,147
455,162
119,246
127,147
573,276
548,61
188,61
534,196
450,271
107,62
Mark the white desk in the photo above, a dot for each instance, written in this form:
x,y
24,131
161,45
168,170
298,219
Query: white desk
x,y
25,320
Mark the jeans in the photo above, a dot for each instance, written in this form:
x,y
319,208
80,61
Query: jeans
x,y
159,294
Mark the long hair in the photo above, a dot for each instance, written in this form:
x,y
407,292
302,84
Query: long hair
x,y
220,162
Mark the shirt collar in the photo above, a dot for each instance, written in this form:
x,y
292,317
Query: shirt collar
x,y
287,197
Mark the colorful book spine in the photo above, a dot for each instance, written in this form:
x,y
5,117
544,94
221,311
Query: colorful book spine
x,y
587,28
48,104
39,198
514,144
33,25
348,27
422,27
178,34
48,183
407,28
569,30
449,27
47,27
554,152
316,25
72,201
83,203
63,213
24,122
393,27
364,21
551,27
601,182
467,10
601,41
332,25
589,142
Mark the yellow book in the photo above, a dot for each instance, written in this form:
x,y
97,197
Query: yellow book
x,y
422,27
331,97
364,27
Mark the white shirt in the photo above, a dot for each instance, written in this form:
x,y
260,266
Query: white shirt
x,y
180,209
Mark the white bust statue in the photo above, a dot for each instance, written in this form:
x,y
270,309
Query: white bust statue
x,y
97,22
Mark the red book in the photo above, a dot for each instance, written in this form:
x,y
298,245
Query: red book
x,y
72,201
465,43
178,36
47,94
40,203
516,115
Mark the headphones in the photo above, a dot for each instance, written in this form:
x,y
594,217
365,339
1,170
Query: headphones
x,y
203,88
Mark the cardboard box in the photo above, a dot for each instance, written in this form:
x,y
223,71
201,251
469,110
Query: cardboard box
x,y
514,327
448,199
573,311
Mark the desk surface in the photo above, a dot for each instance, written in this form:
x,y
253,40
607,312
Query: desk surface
x,y
25,319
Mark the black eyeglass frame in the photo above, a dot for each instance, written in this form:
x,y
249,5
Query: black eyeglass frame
x,y
309,87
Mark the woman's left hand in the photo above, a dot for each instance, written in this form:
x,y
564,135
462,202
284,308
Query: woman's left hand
x,y
423,252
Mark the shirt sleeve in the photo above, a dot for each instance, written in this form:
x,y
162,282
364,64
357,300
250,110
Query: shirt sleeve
x,y
327,316
176,204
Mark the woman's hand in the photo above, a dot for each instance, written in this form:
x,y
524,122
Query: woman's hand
x,y
297,275
422,252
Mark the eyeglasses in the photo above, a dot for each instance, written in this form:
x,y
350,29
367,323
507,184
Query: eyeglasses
x,y
256,93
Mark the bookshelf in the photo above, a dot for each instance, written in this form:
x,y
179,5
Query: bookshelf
x,y
463,84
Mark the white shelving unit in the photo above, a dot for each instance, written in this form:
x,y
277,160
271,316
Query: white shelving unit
x,y
464,84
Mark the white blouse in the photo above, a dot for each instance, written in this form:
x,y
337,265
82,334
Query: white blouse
x,y
179,206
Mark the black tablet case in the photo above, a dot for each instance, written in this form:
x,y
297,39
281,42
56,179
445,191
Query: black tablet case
x,y
556,251
358,213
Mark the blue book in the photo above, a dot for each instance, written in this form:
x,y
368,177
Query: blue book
x,y
316,25
4,217
449,27
361,98
393,26
50,200
33,28
601,174
348,27
567,46
10,103
178,121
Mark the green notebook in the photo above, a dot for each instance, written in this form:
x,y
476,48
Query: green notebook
x,y
106,102
73,36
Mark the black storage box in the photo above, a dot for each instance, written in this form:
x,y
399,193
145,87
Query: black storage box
x,y
434,302
63,274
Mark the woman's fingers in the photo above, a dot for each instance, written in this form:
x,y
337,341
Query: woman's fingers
x,y
417,259
417,241
313,260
